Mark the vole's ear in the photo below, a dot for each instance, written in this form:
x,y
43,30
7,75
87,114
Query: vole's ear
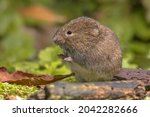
x,y
95,32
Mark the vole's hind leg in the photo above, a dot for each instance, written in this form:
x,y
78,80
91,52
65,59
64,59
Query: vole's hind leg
x,y
79,78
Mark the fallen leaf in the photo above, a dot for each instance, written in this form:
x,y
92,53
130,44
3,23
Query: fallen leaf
x,y
41,13
28,79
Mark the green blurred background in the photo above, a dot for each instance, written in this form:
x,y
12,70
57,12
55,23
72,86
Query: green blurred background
x,y
27,27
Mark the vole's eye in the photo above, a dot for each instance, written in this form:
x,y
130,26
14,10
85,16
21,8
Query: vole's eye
x,y
68,33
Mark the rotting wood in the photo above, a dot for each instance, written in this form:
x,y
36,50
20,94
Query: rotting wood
x,y
132,74
95,90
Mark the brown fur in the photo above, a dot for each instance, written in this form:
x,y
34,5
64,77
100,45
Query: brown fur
x,y
94,49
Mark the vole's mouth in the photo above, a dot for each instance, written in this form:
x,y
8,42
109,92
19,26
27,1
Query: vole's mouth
x,y
58,40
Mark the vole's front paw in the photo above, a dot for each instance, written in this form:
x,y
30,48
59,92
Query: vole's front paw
x,y
65,58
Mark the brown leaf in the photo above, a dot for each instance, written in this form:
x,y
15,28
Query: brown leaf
x,y
41,13
4,75
28,79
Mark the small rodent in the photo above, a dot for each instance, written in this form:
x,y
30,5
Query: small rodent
x,y
92,50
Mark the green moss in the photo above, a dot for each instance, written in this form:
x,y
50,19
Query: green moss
x,y
12,90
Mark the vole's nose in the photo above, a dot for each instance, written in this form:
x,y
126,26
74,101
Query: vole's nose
x,y
55,38
58,39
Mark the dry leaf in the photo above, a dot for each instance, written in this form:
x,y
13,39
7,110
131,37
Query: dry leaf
x,y
28,79
41,13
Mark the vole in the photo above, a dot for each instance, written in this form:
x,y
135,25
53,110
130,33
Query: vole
x,y
92,50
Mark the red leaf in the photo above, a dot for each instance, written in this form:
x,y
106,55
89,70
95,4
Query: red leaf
x,y
28,79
